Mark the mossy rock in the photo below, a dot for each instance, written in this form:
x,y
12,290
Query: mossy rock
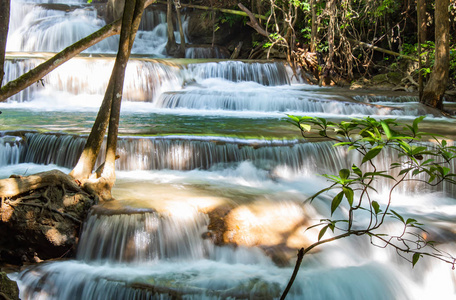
x,y
391,78
394,77
8,288
380,78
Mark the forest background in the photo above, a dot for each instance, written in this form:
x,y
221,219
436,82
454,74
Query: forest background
x,y
349,42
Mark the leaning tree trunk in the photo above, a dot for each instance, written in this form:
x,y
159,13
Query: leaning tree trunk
x,y
130,23
15,86
29,78
435,88
4,24
109,111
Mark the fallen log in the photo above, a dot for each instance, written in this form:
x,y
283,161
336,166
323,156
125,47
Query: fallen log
x,y
386,51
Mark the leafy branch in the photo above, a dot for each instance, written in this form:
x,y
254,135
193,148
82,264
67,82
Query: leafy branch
x,y
416,161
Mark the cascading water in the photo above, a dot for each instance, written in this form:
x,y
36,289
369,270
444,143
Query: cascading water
x,y
198,137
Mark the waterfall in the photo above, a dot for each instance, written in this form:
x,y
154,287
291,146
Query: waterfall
x,y
184,154
62,150
268,74
211,189
52,30
142,237
191,153
145,80
266,101
10,150
15,68
383,98
205,52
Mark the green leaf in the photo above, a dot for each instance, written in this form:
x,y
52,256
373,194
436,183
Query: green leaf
x,y
322,232
305,127
294,118
344,173
398,216
416,122
403,171
372,153
376,207
416,257
342,144
410,220
336,202
349,195
386,129
319,192
357,170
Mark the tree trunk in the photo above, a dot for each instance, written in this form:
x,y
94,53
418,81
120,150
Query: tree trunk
x,y
313,30
331,10
133,11
437,84
422,36
4,24
86,162
181,52
171,45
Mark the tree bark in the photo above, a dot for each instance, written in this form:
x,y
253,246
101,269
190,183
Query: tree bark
x,y
313,30
331,10
87,160
171,45
106,115
130,23
386,51
181,51
17,185
422,36
435,88
253,21
4,24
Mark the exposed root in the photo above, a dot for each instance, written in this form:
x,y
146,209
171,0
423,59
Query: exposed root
x,y
42,206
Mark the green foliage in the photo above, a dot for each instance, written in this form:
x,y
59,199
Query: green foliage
x,y
415,161
386,7
231,19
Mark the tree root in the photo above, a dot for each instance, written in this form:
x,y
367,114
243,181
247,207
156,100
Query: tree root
x,y
42,206
14,187
4,296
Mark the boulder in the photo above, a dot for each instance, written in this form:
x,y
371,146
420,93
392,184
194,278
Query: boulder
x,y
8,288
40,217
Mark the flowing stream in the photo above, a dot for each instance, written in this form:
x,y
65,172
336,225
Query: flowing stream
x,y
199,135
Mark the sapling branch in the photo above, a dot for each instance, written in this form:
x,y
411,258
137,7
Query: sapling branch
x,y
369,138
